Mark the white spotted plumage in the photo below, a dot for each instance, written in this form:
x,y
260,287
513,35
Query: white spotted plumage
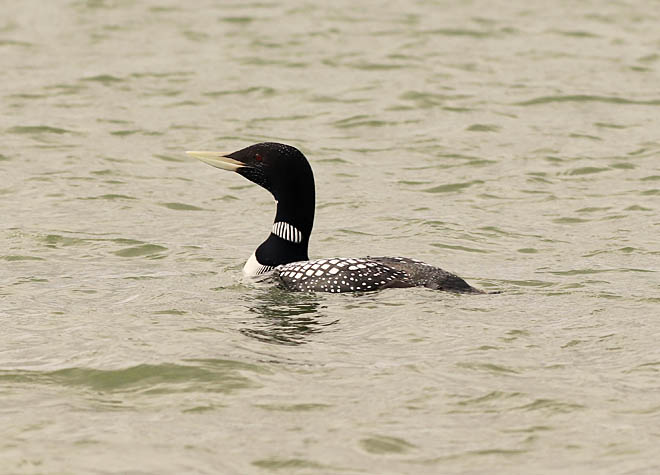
x,y
338,275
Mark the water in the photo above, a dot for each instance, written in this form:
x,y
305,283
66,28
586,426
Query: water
x,y
513,143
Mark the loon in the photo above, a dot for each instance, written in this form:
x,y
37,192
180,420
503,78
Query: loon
x,y
285,172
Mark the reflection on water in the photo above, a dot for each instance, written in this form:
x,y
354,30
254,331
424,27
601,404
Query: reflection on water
x,y
285,318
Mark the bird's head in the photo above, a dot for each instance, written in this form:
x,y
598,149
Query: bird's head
x,y
281,169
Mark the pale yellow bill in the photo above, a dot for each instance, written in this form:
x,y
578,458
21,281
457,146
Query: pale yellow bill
x,y
217,160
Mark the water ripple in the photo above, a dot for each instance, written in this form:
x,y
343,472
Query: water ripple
x,y
587,98
143,250
204,376
38,129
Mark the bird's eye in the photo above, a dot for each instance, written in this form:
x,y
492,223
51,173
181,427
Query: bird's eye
x,y
258,158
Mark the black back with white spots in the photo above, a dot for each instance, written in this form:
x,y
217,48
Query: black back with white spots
x,y
422,274
339,275
365,274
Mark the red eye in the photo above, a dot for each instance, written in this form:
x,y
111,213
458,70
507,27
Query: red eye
x,y
258,158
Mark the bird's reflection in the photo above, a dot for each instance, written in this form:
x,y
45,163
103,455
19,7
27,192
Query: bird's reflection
x,y
285,318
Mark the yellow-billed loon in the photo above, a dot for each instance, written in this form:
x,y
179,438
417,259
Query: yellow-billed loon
x,y
285,172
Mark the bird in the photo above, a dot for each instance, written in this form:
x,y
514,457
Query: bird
x,y
285,172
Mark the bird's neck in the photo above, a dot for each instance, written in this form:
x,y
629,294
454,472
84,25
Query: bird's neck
x,y
289,236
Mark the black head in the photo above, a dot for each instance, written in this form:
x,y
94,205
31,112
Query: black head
x,y
281,169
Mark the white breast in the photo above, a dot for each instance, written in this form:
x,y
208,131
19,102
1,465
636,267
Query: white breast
x,y
253,268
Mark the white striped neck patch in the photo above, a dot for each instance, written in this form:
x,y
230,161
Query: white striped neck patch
x,y
287,232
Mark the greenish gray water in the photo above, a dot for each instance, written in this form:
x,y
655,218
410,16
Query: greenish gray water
x,y
514,143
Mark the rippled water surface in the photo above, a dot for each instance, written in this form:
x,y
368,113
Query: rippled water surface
x,y
515,143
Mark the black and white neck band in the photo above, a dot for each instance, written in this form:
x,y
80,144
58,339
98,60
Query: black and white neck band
x,y
287,232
